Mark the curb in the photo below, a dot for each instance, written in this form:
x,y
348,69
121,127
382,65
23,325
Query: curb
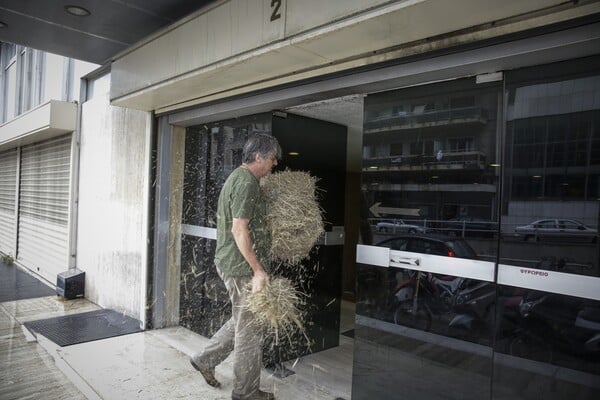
x,y
80,383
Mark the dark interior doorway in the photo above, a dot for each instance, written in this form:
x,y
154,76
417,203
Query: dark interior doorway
x,y
212,152
318,147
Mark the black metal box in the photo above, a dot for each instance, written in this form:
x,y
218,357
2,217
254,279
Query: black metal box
x,y
70,284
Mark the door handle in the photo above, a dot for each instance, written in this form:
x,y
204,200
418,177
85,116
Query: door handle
x,y
406,260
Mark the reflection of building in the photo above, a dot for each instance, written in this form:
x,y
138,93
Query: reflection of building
x,y
225,139
231,141
554,147
446,144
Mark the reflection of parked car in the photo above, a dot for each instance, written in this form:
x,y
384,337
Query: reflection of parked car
x,y
398,226
436,245
559,229
470,226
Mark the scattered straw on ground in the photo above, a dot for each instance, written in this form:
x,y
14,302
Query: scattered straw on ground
x,y
294,216
276,308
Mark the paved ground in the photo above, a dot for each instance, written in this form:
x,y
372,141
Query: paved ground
x,y
146,365
15,284
27,371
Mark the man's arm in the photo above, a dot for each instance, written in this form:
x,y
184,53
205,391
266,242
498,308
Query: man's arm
x,y
243,240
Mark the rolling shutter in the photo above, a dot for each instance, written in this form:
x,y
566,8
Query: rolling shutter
x,y
8,204
44,206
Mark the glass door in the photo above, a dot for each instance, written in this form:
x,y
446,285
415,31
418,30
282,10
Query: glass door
x,y
548,323
425,280
479,276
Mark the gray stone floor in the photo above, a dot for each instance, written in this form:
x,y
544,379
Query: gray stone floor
x,y
27,371
146,365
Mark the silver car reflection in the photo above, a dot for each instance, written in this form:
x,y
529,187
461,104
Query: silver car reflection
x,y
399,226
560,229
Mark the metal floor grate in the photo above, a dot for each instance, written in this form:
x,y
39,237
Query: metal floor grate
x,y
85,327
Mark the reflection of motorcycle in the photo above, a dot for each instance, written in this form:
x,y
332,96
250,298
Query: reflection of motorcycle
x,y
550,324
406,305
475,307
411,301
420,295
562,264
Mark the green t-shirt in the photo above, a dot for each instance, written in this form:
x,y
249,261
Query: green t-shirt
x,y
241,197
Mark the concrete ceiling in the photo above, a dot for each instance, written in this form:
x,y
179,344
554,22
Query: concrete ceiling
x,y
347,110
111,27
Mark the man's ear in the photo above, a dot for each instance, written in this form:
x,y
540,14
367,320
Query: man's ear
x,y
257,157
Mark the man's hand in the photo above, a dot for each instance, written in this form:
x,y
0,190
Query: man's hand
x,y
260,279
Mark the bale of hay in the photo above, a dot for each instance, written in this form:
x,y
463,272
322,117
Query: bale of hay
x,y
294,216
276,308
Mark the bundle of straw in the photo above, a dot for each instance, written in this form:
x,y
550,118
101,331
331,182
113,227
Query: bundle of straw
x,y
276,309
294,216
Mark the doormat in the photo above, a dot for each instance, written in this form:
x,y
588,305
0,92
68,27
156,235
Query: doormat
x,y
85,327
349,333
19,285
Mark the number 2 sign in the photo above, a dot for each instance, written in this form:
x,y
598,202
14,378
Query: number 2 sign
x,y
275,10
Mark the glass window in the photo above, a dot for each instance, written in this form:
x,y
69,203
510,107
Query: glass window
x,y
552,132
568,225
546,224
24,81
98,87
396,244
445,183
544,329
10,80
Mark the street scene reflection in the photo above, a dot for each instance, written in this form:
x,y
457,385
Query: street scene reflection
x,y
547,326
503,178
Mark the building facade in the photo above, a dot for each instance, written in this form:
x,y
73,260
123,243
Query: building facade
x,y
38,115
474,123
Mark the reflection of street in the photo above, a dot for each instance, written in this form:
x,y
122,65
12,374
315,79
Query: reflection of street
x,y
577,258
393,362
447,305
394,359
514,179
541,326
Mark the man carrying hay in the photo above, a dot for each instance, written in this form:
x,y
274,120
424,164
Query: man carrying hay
x,y
242,258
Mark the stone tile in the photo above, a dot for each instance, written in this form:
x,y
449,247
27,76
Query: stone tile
x,y
46,307
27,371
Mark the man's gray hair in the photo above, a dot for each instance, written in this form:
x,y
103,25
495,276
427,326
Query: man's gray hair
x,y
260,144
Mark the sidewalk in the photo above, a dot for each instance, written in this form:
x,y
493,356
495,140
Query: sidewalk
x,y
27,371
146,365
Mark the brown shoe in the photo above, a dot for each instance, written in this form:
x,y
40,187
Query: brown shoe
x,y
208,374
258,395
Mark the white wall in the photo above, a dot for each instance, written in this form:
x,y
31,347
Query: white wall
x,y
113,187
53,78
80,68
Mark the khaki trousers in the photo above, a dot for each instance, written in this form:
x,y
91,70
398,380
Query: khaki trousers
x,y
242,336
